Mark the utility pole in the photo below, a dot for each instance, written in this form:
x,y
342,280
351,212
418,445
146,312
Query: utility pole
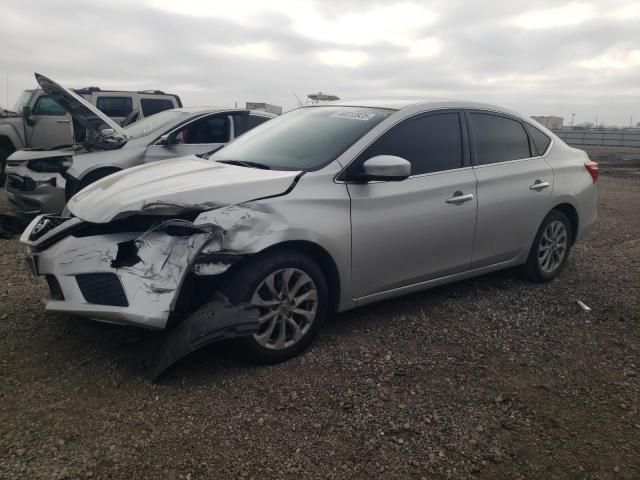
x,y
7,91
573,115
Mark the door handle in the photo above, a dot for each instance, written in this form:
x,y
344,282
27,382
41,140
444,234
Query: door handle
x,y
539,185
63,121
459,198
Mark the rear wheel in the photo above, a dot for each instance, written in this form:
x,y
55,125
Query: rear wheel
x,y
290,292
550,249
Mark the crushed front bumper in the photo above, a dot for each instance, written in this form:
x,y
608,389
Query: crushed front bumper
x,y
109,273
127,278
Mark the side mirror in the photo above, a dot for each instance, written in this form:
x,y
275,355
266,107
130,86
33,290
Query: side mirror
x,y
27,114
167,140
387,168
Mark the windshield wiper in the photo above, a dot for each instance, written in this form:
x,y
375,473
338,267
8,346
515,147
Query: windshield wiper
x,y
206,155
242,163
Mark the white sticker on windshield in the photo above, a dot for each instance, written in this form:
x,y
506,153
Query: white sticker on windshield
x,y
362,116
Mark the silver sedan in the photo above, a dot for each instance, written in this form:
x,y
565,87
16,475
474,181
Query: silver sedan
x,y
321,210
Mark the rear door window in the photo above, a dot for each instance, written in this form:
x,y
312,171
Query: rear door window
x,y
155,105
115,106
255,120
47,106
432,143
498,138
540,140
211,129
243,122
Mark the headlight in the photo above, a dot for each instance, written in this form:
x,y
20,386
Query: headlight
x,y
50,165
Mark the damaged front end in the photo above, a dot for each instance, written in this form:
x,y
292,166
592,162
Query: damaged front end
x,y
133,270
155,268
36,180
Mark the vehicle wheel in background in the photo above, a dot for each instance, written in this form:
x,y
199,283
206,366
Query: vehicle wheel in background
x,y
291,292
3,166
550,249
72,188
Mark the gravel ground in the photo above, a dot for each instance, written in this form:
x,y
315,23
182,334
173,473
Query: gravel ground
x,y
487,378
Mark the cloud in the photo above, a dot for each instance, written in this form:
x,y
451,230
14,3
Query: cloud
x,y
545,57
566,15
262,50
342,58
612,60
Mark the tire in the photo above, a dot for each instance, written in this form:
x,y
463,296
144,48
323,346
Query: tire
x,y
92,177
549,251
250,279
3,166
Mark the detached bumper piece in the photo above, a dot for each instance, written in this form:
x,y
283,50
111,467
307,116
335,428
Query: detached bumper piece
x,y
215,321
102,289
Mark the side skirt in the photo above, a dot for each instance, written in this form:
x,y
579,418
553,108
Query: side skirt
x,y
396,292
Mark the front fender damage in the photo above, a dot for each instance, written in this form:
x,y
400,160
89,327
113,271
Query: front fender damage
x,y
160,258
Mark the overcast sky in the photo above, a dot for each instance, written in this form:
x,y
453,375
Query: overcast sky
x,y
538,57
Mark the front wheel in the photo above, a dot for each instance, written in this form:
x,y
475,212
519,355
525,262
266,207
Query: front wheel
x,y
550,249
290,291
74,186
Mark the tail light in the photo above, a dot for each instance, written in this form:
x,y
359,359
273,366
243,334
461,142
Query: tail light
x,y
592,168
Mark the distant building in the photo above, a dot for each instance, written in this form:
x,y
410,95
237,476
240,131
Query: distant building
x,y
552,123
264,107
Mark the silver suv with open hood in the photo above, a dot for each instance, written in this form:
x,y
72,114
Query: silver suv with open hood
x,y
42,180
320,210
38,121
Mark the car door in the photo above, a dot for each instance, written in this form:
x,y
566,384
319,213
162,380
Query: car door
x,y
514,187
203,134
51,124
421,228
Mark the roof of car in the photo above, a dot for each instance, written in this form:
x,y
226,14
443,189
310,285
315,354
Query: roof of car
x,y
211,109
398,103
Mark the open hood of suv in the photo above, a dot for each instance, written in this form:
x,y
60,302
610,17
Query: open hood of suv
x,y
182,183
82,111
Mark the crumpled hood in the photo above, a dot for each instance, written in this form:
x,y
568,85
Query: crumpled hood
x,y
179,182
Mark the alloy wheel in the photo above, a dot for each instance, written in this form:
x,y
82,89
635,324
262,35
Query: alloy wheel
x,y
288,303
553,247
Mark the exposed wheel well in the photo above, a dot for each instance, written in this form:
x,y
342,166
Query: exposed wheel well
x,y
572,214
196,290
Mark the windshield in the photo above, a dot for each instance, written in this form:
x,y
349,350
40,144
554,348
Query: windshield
x,y
153,123
304,139
23,101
